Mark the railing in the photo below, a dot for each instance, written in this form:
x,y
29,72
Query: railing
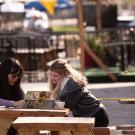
x,y
40,48
34,76
35,49
118,45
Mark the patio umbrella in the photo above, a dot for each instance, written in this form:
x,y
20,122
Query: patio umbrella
x,y
49,5
35,4
64,4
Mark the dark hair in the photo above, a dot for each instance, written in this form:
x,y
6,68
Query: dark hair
x,y
10,66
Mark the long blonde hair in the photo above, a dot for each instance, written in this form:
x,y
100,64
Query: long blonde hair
x,y
63,67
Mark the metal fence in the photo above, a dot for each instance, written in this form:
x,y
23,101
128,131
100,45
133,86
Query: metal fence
x,y
34,76
35,50
118,45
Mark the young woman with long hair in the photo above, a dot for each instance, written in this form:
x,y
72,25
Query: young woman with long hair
x,y
70,86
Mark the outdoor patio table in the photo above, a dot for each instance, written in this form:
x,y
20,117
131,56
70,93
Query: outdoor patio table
x,y
63,125
8,115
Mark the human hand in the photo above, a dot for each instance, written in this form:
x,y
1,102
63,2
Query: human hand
x,y
18,103
58,85
56,90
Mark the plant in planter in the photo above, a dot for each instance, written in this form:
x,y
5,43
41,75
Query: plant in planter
x,y
95,43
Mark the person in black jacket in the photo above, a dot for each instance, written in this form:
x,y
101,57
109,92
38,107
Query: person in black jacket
x,y
70,86
10,77
11,93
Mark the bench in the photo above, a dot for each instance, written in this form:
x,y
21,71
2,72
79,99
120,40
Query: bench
x,y
101,131
127,101
8,115
62,125
126,129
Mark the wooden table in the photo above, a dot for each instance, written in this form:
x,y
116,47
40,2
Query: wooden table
x,y
31,125
8,115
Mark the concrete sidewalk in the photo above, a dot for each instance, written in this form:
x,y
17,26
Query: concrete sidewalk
x,y
111,85
92,86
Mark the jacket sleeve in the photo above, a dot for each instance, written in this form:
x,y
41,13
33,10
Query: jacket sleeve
x,y
4,102
71,99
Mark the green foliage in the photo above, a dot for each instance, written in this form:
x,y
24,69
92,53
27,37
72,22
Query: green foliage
x,y
129,1
95,43
64,28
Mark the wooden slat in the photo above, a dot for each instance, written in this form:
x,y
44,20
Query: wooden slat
x,y
127,101
109,98
125,127
79,126
14,113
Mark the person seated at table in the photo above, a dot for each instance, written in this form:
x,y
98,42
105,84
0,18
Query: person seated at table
x,y
70,86
11,93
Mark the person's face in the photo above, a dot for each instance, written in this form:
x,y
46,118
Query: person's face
x,y
54,77
12,78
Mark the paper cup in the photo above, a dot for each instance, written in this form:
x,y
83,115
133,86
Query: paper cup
x,y
60,104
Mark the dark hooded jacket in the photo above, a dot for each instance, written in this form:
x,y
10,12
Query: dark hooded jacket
x,y
79,99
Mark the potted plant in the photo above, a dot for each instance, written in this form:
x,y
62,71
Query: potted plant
x,y
95,43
